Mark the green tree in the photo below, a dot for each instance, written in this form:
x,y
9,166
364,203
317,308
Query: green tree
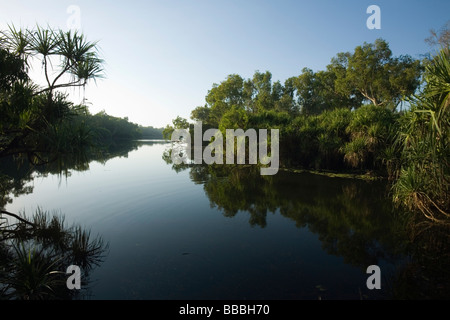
x,y
223,96
263,97
35,119
151,132
285,99
377,76
12,70
307,92
317,91
370,129
203,114
235,118
423,184
177,123
77,59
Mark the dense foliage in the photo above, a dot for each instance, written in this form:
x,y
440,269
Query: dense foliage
x,y
423,183
342,118
367,113
39,120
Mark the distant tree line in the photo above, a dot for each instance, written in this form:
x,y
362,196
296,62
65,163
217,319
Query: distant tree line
x,y
106,128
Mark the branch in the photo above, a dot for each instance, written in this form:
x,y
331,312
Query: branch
x,y
12,234
45,69
17,217
63,85
365,94
67,68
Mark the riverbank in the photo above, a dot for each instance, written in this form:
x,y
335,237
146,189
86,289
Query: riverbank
x,y
369,176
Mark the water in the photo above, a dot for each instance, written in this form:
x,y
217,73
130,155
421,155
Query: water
x,y
205,233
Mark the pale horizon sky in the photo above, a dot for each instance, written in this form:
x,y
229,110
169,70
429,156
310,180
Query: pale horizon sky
x,y
162,57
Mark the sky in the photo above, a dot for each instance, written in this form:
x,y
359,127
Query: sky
x,y
162,56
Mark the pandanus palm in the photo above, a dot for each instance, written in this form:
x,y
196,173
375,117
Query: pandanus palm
x,y
78,57
67,60
424,180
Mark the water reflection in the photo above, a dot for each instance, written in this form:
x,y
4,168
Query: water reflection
x,y
17,172
37,248
36,253
181,249
354,219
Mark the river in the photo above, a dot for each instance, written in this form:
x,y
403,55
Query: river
x,y
212,232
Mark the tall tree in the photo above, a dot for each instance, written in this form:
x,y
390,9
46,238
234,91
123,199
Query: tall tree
x,y
286,101
307,92
203,114
379,77
32,116
317,91
224,95
262,84
77,59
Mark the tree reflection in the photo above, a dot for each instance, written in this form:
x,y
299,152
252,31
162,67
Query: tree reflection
x,y
36,250
426,276
16,172
354,219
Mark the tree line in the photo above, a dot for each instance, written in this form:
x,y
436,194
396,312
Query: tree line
x,y
39,121
368,112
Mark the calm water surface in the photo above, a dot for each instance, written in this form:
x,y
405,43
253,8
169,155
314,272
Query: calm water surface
x,y
202,233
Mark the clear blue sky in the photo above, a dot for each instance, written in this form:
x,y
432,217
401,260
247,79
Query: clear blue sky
x,y
163,56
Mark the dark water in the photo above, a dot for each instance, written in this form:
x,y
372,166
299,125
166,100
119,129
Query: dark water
x,y
205,232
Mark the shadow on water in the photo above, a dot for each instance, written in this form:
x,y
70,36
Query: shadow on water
x,y
354,219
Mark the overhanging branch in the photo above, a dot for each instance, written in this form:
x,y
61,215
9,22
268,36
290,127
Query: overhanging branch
x,y
17,217
63,85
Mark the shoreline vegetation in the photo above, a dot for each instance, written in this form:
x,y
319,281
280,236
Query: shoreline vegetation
x,y
369,115
331,174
